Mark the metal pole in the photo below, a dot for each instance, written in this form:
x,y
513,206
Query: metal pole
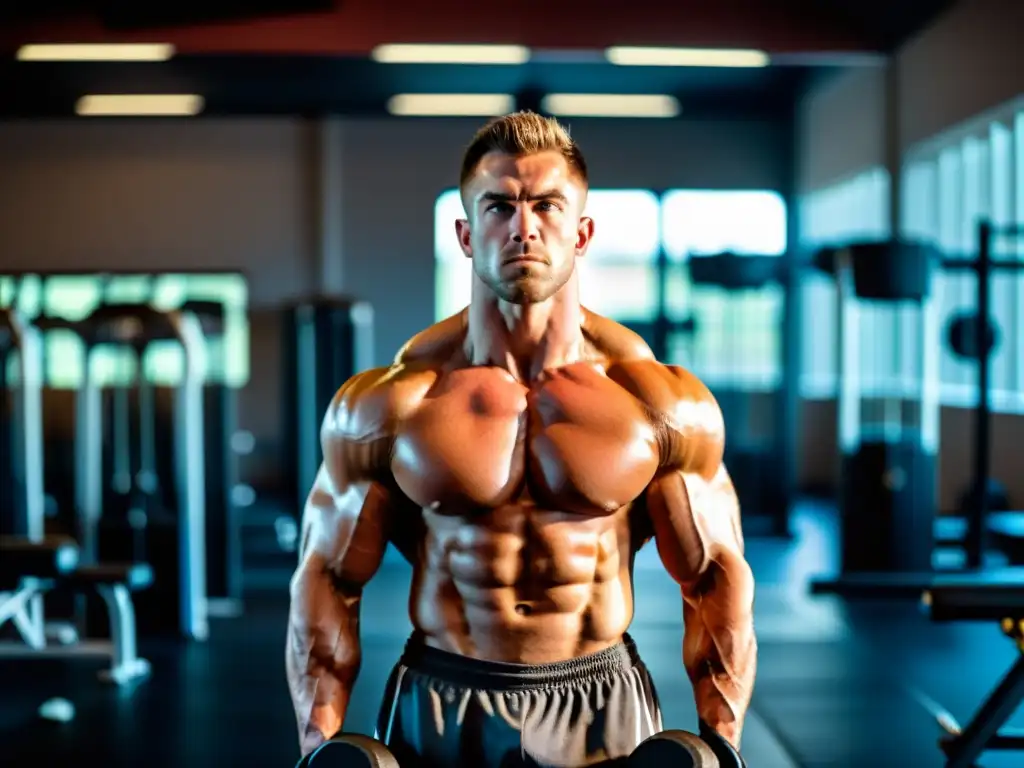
x,y
26,428
189,466
88,458
976,523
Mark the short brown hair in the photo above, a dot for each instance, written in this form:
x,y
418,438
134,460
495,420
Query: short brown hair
x,y
522,133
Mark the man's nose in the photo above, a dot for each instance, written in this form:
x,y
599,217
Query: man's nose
x,y
524,225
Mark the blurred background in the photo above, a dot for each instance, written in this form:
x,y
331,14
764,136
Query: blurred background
x,y
765,179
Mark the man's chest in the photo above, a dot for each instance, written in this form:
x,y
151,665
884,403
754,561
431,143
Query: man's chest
x,y
574,441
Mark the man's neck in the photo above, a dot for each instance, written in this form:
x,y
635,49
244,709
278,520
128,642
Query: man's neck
x,y
525,339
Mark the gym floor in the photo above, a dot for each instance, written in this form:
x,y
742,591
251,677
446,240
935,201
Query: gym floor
x,y
838,684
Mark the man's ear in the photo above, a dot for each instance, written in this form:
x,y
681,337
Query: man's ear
x,y
584,233
462,232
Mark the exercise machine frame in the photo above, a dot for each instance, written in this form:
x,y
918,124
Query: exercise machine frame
x,y
183,327
997,597
22,602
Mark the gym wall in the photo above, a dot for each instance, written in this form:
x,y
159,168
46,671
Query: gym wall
x,y
962,66
249,194
965,63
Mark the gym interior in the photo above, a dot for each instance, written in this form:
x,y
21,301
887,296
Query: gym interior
x,y
810,205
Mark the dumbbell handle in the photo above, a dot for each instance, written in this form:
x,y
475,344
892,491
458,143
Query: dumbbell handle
x,y
728,756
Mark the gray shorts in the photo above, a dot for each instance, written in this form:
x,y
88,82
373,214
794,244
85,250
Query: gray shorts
x,y
442,710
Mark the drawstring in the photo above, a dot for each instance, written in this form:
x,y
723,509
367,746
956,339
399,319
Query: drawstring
x,y
522,728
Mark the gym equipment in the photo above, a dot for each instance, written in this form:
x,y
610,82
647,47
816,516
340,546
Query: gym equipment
x,y
678,748
48,558
327,341
226,495
758,445
997,498
726,753
981,327
996,596
889,529
962,334
180,558
21,428
31,569
57,710
33,565
888,440
349,750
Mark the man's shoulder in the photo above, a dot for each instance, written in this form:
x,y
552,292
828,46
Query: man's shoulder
x,y
374,401
688,420
672,393
676,396
434,346
613,340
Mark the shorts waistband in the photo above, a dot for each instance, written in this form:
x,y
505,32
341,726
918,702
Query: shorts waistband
x,y
497,675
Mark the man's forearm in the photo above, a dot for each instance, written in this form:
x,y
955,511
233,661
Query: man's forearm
x,y
720,655
323,659
321,702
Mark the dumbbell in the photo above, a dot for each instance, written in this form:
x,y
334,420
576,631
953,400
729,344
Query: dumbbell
x,y
726,753
686,750
680,749
349,750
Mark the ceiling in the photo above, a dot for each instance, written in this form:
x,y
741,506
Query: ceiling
x,y
308,57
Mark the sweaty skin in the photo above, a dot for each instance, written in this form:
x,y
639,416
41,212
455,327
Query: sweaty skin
x,y
520,508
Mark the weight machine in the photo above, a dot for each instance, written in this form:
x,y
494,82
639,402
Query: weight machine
x,y
33,565
116,520
888,497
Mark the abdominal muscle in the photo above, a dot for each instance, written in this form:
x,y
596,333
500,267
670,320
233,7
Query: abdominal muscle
x,y
522,585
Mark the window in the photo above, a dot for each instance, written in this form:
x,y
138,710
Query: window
x,y
856,209
1017,215
619,274
975,176
453,275
75,296
947,187
738,335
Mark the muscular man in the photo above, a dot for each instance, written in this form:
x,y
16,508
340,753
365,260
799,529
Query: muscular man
x,y
519,454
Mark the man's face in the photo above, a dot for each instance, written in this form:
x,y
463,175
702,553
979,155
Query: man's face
x,y
525,227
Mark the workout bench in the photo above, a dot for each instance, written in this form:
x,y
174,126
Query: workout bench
x,y
29,569
993,596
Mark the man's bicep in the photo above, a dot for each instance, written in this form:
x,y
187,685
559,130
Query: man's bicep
x,y
695,521
718,509
347,514
345,529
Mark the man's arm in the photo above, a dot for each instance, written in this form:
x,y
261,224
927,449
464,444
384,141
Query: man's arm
x,y
696,519
344,536
695,534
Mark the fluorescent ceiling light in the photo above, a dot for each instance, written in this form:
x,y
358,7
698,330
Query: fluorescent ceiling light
x,y
450,54
610,105
157,104
451,104
81,52
626,56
